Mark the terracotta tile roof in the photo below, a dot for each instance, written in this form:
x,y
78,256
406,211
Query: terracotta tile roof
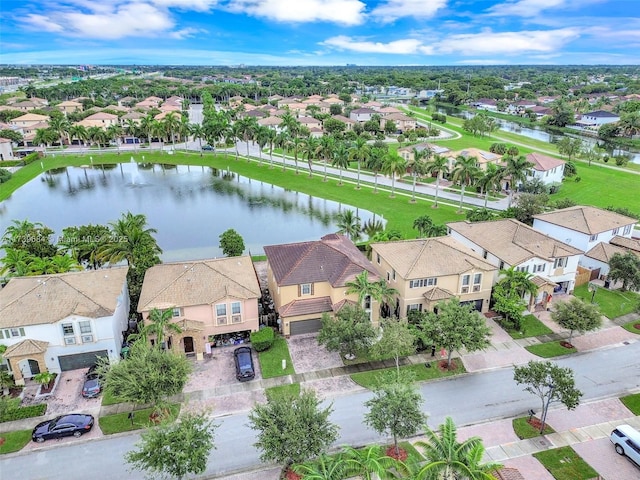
x,y
343,119
604,251
513,241
508,473
101,116
542,163
430,257
586,219
334,259
336,307
185,324
308,306
628,243
437,294
26,347
48,298
199,282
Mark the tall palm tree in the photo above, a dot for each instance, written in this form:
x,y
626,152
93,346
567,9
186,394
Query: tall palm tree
x,y
393,165
171,124
217,128
295,143
160,324
311,146
362,286
247,127
519,282
281,141
131,239
159,131
325,151
78,132
262,138
197,131
271,140
44,137
146,127
374,163
384,294
465,171
516,168
490,180
349,224
114,132
417,164
448,459
341,158
360,152
60,125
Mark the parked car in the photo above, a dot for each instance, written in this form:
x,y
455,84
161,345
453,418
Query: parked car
x,y
244,364
74,424
207,147
91,387
626,441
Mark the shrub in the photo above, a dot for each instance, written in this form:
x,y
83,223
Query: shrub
x,y
498,148
263,339
577,179
5,175
24,412
32,157
513,151
564,203
621,160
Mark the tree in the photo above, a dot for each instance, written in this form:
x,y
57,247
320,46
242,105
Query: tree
x,y
550,383
395,410
231,243
350,331
176,449
130,240
159,323
491,179
84,243
360,152
519,282
348,224
325,467
33,238
393,165
571,147
426,227
417,165
625,268
561,113
341,158
361,286
517,168
292,429
375,162
576,315
509,304
397,341
438,166
448,459
465,171
455,326
148,376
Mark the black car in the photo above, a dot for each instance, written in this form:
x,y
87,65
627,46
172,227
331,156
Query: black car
x,y
207,147
244,364
91,387
74,424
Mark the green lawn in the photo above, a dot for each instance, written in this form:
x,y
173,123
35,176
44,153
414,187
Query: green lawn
x,y
632,402
419,372
550,349
108,399
14,441
120,422
271,360
612,303
631,326
565,464
291,390
531,327
523,429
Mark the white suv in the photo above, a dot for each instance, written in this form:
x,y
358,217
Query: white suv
x,y
626,441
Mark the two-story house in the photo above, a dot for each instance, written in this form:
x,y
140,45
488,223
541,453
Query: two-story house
x,y
548,170
362,114
583,226
64,321
482,157
211,301
307,279
510,243
402,122
429,270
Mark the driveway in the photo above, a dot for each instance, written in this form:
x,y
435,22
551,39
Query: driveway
x,y
308,356
601,455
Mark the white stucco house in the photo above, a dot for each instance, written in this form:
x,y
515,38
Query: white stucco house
x,y
583,227
509,243
597,118
548,170
62,322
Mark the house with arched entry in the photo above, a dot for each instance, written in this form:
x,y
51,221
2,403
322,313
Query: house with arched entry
x,y
213,302
63,321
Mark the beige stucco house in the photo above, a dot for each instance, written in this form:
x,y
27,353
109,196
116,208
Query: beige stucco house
x,y
213,301
69,106
483,158
307,279
430,270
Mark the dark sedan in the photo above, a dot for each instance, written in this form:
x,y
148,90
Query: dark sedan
x,y
75,424
244,364
91,387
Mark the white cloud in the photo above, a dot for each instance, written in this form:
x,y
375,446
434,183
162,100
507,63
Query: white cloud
x,y
346,12
191,5
403,47
394,9
41,22
524,8
510,43
185,33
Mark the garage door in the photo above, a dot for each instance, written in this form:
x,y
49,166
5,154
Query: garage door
x,y
80,360
305,326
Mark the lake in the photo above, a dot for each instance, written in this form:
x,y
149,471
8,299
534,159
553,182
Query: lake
x,y
189,206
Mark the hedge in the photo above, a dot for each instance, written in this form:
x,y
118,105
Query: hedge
x,y
24,412
262,339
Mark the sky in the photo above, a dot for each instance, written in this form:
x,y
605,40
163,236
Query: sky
x,y
320,32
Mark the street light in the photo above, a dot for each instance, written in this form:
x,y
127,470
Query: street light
x,y
546,408
592,288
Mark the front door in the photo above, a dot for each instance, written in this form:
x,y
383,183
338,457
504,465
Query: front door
x,y
188,345
34,366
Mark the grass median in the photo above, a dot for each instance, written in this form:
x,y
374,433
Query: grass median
x,y
420,372
612,303
632,402
550,349
271,360
120,422
565,464
14,441
529,327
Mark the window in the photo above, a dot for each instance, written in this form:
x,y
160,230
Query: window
x,y
484,254
423,282
305,289
523,269
393,274
176,312
367,302
67,329
378,258
501,266
235,308
560,262
593,238
627,230
414,306
477,282
221,310
615,231
539,268
388,276
465,283
16,332
85,331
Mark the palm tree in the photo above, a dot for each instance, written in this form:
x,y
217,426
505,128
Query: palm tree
x,y
341,158
217,128
423,224
160,324
171,124
281,141
114,132
349,224
146,127
325,151
131,239
60,125
371,227
325,467
384,294
78,132
517,168
311,146
438,166
359,151
393,165
295,142
374,163
262,138
15,262
367,463
362,286
418,167
465,171
271,140
247,128
491,179
44,137
198,133
519,282
448,459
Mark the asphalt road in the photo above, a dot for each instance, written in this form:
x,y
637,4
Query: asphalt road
x,y
468,399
